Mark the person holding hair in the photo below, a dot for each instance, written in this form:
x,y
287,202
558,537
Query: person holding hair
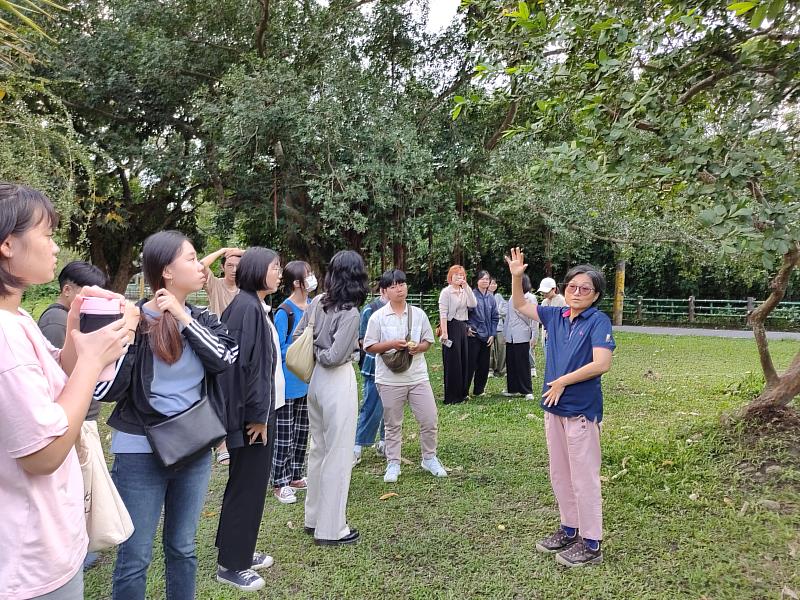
x,y
370,416
481,329
580,351
46,394
386,334
179,353
497,358
254,390
72,278
291,433
454,303
520,334
333,398
221,290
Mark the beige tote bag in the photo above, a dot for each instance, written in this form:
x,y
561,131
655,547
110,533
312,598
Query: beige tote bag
x,y
300,354
107,520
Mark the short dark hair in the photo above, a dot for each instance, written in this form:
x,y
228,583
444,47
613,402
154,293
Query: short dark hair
x,y
526,284
21,208
595,274
251,274
390,277
481,274
294,271
345,281
226,256
82,273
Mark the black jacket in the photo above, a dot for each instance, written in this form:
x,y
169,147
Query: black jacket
x,y
249,386
130,389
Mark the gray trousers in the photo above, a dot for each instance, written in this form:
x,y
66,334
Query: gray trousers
x,y
332,416
72,590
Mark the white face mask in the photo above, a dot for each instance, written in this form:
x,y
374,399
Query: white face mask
x,y
311,283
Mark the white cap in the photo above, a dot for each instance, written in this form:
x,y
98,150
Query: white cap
x,y
547,284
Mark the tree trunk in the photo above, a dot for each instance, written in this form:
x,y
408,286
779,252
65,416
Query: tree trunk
x,y
779,390
619,292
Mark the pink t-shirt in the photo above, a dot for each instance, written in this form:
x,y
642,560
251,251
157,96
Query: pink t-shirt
x,y
42,527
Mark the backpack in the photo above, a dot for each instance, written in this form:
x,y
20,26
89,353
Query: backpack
x,y
289,310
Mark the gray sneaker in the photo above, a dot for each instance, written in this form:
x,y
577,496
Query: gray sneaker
x,y
247,580
557,542
579,555
380,449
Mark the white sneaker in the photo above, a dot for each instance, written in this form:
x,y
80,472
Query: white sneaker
x,y
392,472
434,467
491,374
285,495
508,394
380,449
356,455
533,372
528,396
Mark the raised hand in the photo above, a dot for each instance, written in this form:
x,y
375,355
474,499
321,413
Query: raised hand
x,y
516,264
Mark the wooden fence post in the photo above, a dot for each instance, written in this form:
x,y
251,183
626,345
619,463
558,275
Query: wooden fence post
x,y
639,309
691,309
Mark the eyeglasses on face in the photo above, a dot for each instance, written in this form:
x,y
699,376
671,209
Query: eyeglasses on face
x,y
579,290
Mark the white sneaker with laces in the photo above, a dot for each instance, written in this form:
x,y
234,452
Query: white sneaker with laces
x,y
528,396
285,495
392,472
356,455
434,467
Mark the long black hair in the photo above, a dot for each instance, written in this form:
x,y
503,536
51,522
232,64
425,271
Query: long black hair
x,y
160,250
345,282
21,208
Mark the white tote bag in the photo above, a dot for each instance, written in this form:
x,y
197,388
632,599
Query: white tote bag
x,y
107,520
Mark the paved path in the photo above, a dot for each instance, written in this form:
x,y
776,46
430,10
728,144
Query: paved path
x,y
725,333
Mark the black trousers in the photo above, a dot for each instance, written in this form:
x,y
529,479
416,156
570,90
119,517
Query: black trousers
x,y
479,354
518,368
455,360
243,502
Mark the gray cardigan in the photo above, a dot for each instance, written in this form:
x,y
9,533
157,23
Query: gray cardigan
x,y
520,328
335,334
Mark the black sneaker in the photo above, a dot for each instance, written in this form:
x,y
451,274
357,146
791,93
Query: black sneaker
x,y
557,542
350,538
579,555
247,580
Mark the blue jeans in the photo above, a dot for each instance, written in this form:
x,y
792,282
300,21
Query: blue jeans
x,y
371,415
146,487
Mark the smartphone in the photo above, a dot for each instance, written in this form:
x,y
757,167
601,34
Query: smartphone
x,y
96,313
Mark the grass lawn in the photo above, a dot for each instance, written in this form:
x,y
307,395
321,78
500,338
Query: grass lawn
x,y
682,496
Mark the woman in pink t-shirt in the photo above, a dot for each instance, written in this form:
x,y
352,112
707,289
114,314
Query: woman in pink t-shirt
x,y
44,397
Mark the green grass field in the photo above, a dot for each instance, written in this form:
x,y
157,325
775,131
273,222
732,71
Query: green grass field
x,y
681,498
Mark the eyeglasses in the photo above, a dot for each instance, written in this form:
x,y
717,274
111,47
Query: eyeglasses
x,y
579,290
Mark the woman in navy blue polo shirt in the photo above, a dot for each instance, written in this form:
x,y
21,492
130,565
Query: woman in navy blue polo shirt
x,y
580,345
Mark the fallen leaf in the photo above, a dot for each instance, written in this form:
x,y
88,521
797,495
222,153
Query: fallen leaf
x,y
693,496
290,525
464,416
727,500
667,463
387,496
405,461
625,461
788,592
501,527
744,508
619,474
603,478
793,548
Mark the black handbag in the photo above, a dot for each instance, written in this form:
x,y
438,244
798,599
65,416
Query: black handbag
x,y
182,437
399,361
